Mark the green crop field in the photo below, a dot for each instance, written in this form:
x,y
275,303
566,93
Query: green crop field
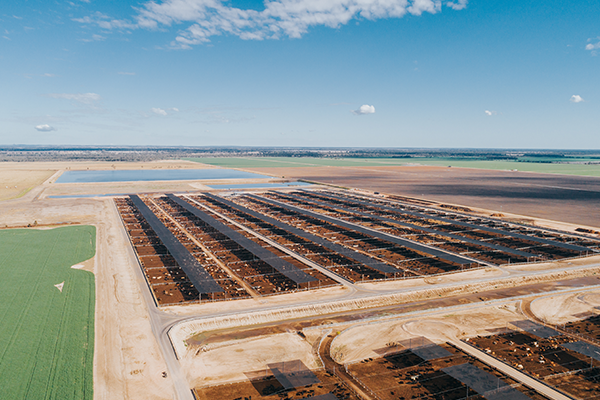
x,y
290,162
46,337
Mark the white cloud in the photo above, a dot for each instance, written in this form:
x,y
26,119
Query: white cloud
x,y
45,128
159,111
83,98
105,22
418,7
490,113
593,46
126,73
458,5
162,111
94,38
576,99
47,75
364,109
280,18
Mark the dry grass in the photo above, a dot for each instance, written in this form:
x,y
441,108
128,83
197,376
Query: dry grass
x,y
16,183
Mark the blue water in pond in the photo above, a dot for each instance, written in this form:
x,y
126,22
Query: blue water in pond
x,y
260,185
154,175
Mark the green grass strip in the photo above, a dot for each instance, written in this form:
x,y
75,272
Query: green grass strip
x,y
291,162
46,337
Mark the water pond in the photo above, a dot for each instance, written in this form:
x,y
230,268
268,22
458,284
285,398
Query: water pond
x,y
154,175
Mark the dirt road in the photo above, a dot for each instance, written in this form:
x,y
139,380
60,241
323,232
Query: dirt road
x,y
339,371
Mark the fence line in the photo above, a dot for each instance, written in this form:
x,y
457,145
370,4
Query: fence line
x,y
587,254
368,389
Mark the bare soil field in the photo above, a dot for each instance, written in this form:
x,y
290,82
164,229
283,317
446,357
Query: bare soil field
x,y
566,308
70,189
566,198
231,361
364,341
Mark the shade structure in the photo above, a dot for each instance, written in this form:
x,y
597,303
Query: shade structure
x,y
293,374
393,239
354,255
473,226
421,228
489,386
424,348
536,329
588,350
285,268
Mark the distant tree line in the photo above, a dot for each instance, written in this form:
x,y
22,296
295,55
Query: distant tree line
x,y
152,153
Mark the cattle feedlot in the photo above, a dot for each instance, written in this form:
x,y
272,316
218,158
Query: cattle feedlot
x,y
307,291
346,238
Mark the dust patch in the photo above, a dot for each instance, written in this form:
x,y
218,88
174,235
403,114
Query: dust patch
x,y
230,361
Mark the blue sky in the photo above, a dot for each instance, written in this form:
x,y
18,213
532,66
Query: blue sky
x,y
376,73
